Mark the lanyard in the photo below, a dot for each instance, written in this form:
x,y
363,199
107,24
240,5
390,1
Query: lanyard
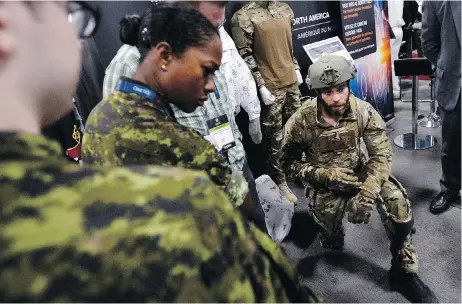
x,y
130,87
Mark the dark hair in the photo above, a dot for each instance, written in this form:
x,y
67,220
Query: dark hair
x,y
129,26
197,3
179,25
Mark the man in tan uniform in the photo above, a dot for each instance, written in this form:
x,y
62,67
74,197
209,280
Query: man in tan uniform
x,y
340,178
262,31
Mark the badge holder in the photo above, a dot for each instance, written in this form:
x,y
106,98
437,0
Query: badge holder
x,y
220,130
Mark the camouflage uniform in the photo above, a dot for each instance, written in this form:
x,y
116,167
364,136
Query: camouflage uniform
x,y
339,176
262,31
140,234
326,146
274,117
127,129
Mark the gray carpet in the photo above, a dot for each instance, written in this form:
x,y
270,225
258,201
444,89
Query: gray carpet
x,y
359,272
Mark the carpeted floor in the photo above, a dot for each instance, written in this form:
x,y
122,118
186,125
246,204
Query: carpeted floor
x,y
359,272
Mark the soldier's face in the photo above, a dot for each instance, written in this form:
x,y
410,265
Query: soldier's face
x,y
189,79
212,11
39,51
336,98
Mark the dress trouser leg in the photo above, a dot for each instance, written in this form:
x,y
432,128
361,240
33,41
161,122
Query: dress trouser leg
x,y
450,149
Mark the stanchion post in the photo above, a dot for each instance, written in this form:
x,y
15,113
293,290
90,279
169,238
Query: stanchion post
x,y
414,67
415,104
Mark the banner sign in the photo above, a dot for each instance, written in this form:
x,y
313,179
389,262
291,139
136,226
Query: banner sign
x,y
373,80
361,26
358,27
313,21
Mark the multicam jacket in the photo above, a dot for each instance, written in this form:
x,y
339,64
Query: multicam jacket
x,y
327,146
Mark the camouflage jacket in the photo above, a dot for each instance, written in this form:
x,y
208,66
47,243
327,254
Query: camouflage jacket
x,y
244,23
326,146
139,234
127,129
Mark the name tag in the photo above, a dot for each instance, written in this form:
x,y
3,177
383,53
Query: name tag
x,y
220,129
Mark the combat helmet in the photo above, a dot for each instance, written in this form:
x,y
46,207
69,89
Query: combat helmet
x,y
329,70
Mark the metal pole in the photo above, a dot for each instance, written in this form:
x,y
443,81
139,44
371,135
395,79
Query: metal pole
x,y
432,96
409,42
415,100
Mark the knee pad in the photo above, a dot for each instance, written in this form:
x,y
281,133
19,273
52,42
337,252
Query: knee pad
x,y
400,207
401,230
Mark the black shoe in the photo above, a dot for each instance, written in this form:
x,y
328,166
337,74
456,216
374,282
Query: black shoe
x,y
443,201
334,242
410,286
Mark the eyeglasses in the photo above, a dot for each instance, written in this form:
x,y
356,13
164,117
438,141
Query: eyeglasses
x,y
85,18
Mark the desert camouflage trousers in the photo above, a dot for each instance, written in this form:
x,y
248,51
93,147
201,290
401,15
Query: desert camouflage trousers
x,y
273,119
328,209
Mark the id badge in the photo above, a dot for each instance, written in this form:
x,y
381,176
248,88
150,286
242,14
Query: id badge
x,y
220,129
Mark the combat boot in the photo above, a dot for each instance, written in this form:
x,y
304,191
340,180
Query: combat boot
x,y
335,241
287,193
410,285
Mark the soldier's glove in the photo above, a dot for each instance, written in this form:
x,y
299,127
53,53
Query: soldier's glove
x,y
266,96
255,130
337,179
360,207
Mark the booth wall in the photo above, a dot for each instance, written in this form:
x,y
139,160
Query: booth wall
x,y
107,36
312,23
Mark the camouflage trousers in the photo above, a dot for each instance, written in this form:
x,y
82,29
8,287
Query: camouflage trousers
x,y
328,210
273,119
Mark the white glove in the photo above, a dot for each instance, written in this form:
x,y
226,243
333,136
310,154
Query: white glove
x,y
299,76
266,95
278,210
255,130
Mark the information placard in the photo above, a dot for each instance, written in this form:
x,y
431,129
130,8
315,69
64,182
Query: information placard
x,y
358,27
328,46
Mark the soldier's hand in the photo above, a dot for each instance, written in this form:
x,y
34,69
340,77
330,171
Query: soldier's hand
x,y
360,207
340,179
255,130
266,96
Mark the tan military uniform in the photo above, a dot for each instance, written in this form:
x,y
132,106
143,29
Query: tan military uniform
x,y
262,32
325,146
